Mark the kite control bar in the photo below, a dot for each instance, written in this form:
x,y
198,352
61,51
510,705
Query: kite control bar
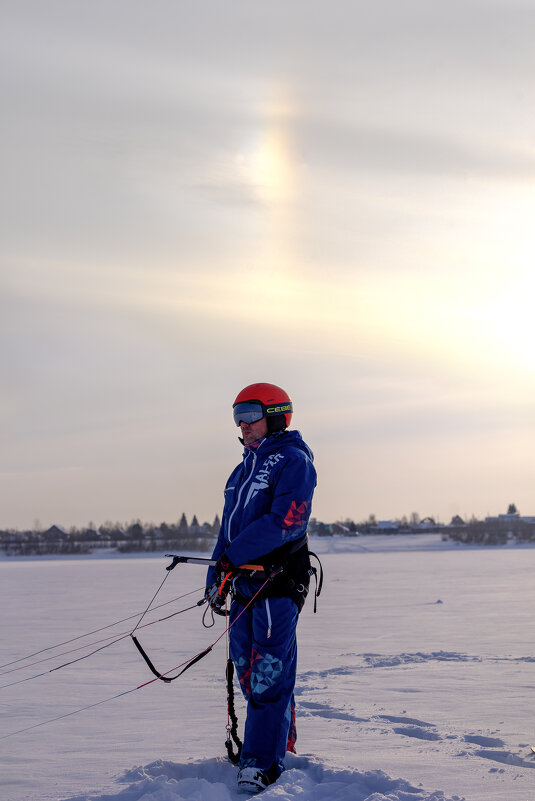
x,y
199,560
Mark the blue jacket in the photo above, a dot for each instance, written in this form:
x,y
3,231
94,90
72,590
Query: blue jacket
x,y
267,499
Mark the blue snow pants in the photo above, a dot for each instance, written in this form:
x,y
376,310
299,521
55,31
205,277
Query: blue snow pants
x,y
263,647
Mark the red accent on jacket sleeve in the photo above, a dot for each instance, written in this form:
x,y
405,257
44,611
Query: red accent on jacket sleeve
x,y
295,514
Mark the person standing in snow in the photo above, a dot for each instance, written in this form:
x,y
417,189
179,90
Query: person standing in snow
x,y
267,506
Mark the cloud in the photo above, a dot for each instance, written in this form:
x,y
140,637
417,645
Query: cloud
x,y
369,150
334,198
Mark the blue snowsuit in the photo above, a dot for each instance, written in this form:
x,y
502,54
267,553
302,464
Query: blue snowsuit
x,y
267,505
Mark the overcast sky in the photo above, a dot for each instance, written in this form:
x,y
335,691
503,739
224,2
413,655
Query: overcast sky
x,y
337,197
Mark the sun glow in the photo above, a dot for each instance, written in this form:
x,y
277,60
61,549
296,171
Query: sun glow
x,y
271,166
510,322
268,157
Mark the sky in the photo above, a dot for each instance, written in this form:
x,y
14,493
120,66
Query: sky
x,y
335,197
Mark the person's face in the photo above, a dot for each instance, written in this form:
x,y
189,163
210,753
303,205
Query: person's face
x,y
252,431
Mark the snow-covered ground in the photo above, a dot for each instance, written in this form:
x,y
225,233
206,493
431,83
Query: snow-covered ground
x,y
416,680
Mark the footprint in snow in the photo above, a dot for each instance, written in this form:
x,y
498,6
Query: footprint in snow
x,y
419,734
325,711
419,729
486,742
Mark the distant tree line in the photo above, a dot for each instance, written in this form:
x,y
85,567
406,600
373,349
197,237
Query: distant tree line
x,y
124,538
505,528
510,527
348,527
183,536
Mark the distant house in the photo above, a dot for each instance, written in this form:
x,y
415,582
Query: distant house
x,y
340,528
386,527
55,533
507,518
427,524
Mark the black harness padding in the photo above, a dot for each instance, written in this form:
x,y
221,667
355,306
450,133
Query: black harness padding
x,y
232,730
293,570
157,673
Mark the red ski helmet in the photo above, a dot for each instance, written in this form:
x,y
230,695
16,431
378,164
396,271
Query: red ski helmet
x,y
264,400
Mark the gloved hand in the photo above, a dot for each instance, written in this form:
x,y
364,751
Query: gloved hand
x,y
224,566
215,600
216,594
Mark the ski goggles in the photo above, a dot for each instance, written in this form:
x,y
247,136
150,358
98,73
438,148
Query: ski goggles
x,y
248,412
252,411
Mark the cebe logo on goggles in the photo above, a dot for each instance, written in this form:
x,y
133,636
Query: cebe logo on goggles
x,y
252,411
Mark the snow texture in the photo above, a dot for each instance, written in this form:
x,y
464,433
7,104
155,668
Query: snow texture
x,y
415,680
214,780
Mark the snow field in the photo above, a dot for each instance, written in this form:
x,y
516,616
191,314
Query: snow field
x,y
415,681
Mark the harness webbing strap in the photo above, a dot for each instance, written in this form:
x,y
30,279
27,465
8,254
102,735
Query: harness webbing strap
x,y
319,581
157,673
232,730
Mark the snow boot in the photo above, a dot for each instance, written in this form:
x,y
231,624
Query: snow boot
x,y
253,780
